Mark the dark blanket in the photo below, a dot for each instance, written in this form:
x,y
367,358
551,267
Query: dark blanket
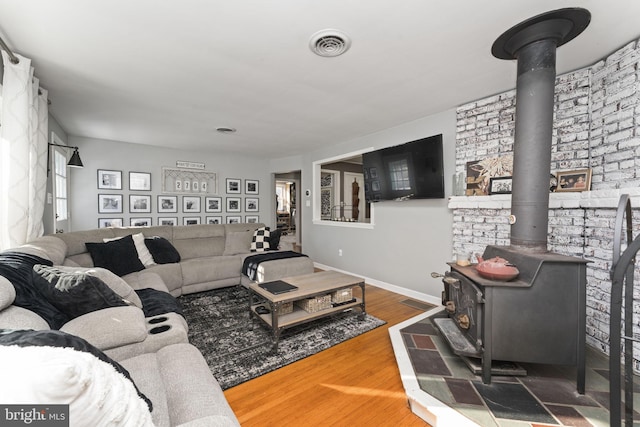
x,y
17,267
251,263
156,302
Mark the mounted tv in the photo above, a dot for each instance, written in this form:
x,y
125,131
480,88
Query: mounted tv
x,y
413,170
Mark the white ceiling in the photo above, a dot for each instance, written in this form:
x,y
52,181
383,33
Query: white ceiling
x,y
169,73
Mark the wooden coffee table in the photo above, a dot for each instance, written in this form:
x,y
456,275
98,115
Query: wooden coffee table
x,y
309,285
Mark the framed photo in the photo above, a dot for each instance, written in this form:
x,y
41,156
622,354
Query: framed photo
x,y
168,221
109,222
109,203
139,204
234,219
233,186
213,220
251,186
167,204
576,180
500,185
233,204
139,181
110,180
140,222
251,219
191,220
191,204
213,204
251,204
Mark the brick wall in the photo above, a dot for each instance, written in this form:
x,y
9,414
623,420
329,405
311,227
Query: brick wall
x,y
596,125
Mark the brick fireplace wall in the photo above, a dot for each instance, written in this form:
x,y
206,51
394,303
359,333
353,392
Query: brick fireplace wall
x,y
597,126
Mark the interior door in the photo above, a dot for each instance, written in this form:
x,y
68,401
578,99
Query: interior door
x,y
60,186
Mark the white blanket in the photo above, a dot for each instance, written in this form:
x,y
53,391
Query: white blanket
x,y
96,393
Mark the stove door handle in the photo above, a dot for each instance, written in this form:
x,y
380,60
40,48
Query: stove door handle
x,y
452,281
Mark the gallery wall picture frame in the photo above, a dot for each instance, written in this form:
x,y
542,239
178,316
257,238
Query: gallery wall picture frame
x,y
213,220
234,219
139,181
191,204
251,186
251,219
213,204
233,186
109,203
109,179
167,204
167,220
251,204
500,185
574,180
140,222
191,220
139,203
109,222
233,204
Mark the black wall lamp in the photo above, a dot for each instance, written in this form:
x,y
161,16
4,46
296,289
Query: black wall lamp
x,y
74,161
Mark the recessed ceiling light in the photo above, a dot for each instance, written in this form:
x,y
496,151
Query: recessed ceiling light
x,y
329,43
226,130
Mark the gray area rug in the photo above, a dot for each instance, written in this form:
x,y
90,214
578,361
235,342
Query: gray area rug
x,y
238,348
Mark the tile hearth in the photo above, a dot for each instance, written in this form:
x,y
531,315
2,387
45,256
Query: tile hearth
x,y
443,391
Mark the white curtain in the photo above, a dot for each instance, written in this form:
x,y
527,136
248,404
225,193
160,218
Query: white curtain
x,y
23,154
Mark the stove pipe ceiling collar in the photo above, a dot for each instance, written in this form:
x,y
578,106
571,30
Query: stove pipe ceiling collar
x,y
533,43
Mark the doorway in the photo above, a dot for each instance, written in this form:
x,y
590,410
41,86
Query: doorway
x,y
288,214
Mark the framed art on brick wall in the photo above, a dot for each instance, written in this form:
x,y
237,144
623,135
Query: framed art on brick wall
x,y
575,180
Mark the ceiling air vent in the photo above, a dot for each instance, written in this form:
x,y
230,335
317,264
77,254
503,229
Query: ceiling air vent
x,y
329,43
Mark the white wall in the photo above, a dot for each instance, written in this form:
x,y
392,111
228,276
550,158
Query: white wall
x,y
102,154
409,239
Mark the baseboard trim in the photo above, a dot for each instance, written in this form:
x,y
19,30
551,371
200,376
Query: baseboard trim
x,y
387,286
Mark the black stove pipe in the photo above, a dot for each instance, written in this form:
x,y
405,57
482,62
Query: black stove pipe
x,y
533,43
532,145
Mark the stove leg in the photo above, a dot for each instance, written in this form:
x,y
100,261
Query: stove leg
x,y
486,370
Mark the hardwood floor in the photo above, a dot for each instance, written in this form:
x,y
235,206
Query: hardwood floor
x,y
356,383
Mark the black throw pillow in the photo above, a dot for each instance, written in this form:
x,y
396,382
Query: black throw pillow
x,y
28,338
74,294
162,251
274,239
119,256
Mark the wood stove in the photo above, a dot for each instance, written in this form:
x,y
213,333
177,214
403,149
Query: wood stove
x,y
537,318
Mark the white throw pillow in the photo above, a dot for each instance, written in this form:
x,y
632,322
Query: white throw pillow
x,y
96,393
143,252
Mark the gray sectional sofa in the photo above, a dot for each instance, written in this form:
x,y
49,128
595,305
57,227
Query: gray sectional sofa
x,y
155,350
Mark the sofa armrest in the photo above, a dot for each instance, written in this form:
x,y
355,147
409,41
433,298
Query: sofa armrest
x,y
146,279
109,327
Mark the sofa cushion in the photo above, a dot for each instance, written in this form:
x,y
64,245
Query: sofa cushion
x,y
237,242
162,251
55,367
274,239
74,294
47,247
260,240
194,393
119,256
143,252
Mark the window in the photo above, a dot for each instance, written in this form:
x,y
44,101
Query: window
x,y
399,175
60,170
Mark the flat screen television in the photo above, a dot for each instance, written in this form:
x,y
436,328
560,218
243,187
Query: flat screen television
x,y
413,170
